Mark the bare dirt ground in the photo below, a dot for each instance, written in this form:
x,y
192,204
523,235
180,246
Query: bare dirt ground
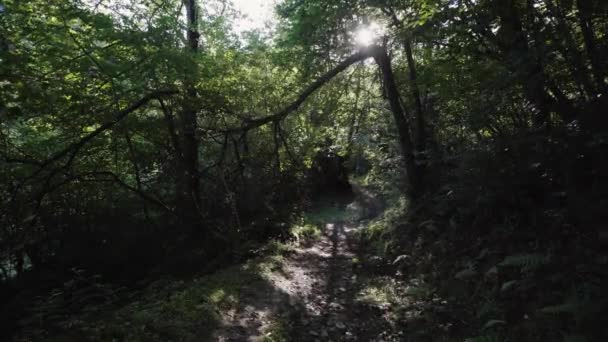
x,y
311,297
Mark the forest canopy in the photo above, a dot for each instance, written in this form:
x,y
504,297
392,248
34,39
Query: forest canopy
x,y
142,139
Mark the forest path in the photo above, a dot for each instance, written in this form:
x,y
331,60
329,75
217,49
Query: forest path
x,y
313,295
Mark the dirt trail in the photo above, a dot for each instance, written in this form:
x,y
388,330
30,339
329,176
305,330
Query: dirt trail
x,y
312,297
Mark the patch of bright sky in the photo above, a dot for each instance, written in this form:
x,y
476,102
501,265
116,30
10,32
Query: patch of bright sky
x,y
368,34
256,15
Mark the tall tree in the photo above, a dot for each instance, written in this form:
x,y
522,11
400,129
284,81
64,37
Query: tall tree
x,y
401,122
188,190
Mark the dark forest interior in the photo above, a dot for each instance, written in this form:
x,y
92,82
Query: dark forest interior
x,y
326,170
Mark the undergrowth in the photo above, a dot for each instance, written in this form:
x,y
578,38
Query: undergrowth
x,y
512,260
180,310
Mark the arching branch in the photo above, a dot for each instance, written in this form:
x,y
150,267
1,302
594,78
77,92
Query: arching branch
x,y
363,54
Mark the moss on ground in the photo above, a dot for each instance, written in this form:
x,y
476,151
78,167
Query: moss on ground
x,y
184,310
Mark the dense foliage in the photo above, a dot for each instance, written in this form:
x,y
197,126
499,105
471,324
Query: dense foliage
x,y
145,138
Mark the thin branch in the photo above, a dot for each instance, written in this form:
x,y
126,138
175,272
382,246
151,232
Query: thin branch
x,y
76,146
136,170
287,149
116,179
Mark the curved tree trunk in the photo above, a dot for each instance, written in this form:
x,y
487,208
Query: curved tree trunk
x,y
407,149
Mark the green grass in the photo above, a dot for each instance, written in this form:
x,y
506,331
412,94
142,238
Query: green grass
x,y
306,233
311,225
377,291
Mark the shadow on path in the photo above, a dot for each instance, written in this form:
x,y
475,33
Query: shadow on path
x,y
311,297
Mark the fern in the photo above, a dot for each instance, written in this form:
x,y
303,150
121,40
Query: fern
x,y
568,307
527,262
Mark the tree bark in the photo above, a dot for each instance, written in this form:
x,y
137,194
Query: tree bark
x,y
354,120
420,135
420,131
188,188
407,149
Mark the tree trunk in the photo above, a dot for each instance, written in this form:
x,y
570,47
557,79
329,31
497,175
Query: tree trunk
x,y
584,11
188,189
420,129
403,129
354,120
420,132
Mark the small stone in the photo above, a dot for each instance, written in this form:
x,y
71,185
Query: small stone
x,y
313,333
340,325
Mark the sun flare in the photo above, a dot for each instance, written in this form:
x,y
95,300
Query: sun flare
x,y
364,36
368,34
